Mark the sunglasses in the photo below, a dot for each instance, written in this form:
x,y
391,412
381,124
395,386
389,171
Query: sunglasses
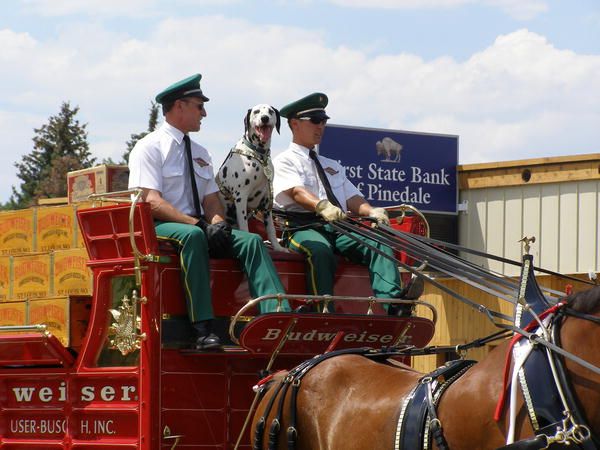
x,y
200,106
314,120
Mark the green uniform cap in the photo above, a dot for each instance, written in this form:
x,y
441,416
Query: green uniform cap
x,y
312,105
189,87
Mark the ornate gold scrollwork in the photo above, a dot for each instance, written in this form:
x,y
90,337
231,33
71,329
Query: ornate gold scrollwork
x,y
126,326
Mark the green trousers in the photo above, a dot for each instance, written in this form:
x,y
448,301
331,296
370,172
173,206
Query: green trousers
x,y
321,245
195,269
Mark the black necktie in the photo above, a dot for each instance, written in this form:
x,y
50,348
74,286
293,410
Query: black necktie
x,y
188,154
323,177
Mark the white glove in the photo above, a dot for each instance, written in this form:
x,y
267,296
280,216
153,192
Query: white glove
x,y
329,211
380,215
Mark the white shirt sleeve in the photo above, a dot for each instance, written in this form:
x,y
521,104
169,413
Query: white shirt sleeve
x,y
288,175
350,190
145,167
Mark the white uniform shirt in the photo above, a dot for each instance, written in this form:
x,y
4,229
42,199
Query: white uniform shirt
x,y
294,168
158,162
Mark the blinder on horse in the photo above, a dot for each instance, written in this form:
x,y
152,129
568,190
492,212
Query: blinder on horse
x,y
553,409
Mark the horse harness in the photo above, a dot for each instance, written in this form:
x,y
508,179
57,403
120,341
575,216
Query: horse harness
x,y
293,379
418,423
554,411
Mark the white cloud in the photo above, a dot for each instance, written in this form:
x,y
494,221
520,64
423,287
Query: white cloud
x,y
518,9
519,97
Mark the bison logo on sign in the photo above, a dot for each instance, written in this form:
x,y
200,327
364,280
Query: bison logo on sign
x,y
389,149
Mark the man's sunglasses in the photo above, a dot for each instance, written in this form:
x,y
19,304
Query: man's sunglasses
x,y
314,120
200,106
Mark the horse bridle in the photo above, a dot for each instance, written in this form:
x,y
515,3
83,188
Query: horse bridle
x,y
572,431
580,429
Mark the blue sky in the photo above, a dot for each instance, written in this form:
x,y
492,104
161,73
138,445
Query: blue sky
x,y
513,78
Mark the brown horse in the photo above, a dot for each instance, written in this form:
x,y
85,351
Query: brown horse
x,y
351,402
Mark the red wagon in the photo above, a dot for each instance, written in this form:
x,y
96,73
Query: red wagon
x,y
129,380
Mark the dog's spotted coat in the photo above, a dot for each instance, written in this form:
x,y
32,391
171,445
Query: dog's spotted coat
x,y
245,178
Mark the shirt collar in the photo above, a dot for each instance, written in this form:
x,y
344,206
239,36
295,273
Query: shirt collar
x,y
175,133
296,148
176,136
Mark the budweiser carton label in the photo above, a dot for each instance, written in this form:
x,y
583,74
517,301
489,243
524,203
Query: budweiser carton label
x,y
12,314
54,313
55,228
31,276
71,274
16,232
5,284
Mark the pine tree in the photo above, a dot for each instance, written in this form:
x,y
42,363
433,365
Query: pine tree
x,y
152,122
59,146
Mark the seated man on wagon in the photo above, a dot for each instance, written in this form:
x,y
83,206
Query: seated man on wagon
x,y
176,176
306,182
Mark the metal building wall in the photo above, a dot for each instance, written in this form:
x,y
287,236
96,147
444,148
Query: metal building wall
x,y
563,217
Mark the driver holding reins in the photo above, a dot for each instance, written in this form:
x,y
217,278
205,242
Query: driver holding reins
x,y
306,182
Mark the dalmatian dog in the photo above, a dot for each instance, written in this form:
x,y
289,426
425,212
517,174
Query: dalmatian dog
x,y
389,148
245,178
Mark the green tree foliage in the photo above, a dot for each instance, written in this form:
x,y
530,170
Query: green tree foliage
x,y
152,122
59,146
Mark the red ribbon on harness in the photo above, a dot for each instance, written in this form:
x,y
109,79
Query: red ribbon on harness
x,y
531,326
266,379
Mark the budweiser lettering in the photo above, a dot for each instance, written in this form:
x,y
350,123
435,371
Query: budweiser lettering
x,y
318,336
26,394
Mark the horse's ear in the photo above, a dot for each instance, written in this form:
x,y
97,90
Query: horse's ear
x,y
247,120
278,123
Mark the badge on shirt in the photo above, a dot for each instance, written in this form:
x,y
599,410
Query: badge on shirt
x,y
200,162
331,171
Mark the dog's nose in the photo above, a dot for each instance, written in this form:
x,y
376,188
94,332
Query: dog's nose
x,y
264,119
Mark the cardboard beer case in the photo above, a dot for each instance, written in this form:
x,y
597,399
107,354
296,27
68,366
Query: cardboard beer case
x,y
13,314
71,273
96,180
17,231
67,318
52,312
5,278
31,275
55,228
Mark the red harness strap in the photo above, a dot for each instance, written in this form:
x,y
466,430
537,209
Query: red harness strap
x,y
266,379
517,337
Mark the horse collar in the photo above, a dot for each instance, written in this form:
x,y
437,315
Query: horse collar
x,y
418,423
553,411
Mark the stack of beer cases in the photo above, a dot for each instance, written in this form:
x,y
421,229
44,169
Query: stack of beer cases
x,y
43,273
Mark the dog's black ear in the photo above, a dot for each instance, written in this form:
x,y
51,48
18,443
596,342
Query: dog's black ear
x,y
278,123
247,120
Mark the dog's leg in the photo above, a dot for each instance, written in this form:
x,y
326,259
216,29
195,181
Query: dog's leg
x,y
271,234
241,211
